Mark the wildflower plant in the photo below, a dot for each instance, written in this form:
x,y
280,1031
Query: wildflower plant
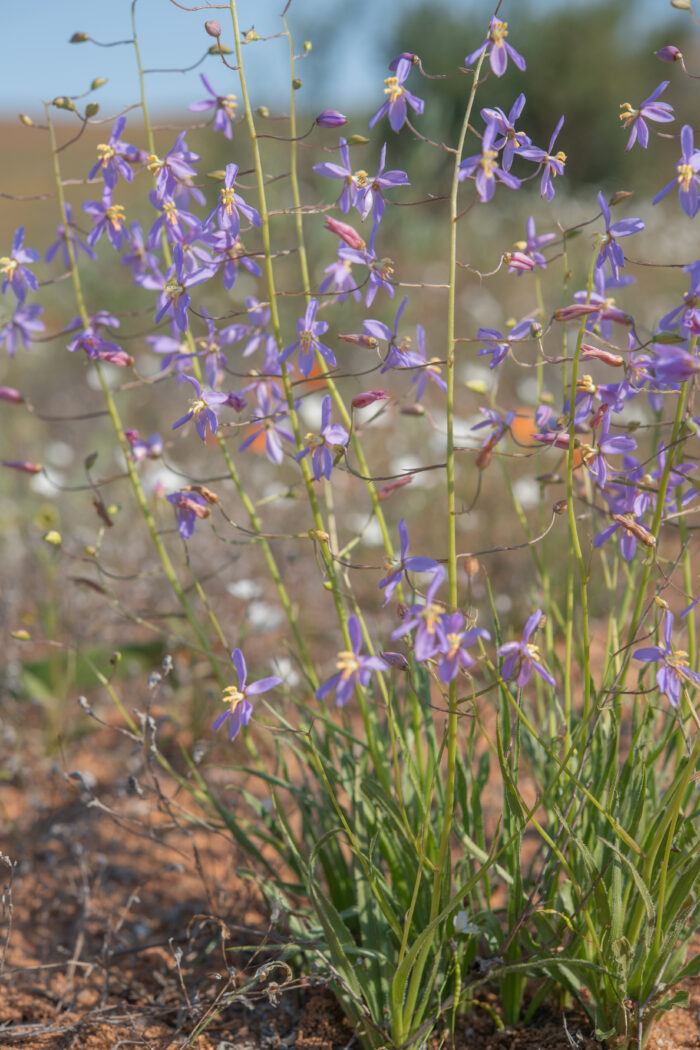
x,y
375,845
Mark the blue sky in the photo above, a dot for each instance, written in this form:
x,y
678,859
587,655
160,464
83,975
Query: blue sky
x,y
39,63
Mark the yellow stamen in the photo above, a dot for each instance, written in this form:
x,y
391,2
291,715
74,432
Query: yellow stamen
x,y
393,89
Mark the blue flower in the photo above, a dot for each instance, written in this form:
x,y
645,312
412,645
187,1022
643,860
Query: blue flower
x,y
674,668
523,657
353,669
239,706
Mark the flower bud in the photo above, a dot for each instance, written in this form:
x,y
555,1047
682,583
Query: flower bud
x,y
413,410
397,660
413,59
682,5
660,602
471,565
79,38
219,49
63,102
98,82
519,261
389,489
670,53
92,109
331,118
212,28
368,397
203,491
575,310
346,232
608,358
117,357
307,45
357,140
8,393
560,507
296,83
53,537
366,341
20,636
27,121
263,112
23,465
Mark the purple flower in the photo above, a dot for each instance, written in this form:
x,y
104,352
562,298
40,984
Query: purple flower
x,y
151,448
369,190
500,345
500,50
670,53
353,669
395,105
399,354
173,170
111,157
308,329
230,203
67,232
225,105
189,506
380,271
268,420
395,570
172,219
628,521
512,140
107,218
553,163
239,706
687,316
650,109
486,167
594,455
340,281
524,656
686,178
341,171
331,118
24,321
257,334
425,619
453,639
610,250
532,244
203,409
331,436
228,251
674,664
13,270
429,369
174,299
673,364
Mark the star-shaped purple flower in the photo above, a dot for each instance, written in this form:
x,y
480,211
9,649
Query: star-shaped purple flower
x,y
236,697
395,105
318,446
230,204
553,163
111,157
610,250
650,109
225,106
487,169
14,272
353,669
500,50
522,657
396,569
674,669
308,330
687,178
203,409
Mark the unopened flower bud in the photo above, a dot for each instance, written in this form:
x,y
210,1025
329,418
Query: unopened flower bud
x,y
357,140
608,358
319,534
263,112
575,310
397,660
79,38
307,45
670,53
63,102
20,636
413,410
346,232
389,489
682,5
331,118
53,537
117,357
296,83
212,28
519,261
471,565
92,109
8,393
219,49
560,507
366,341
23,465
98,82
660,602
27,121
368,397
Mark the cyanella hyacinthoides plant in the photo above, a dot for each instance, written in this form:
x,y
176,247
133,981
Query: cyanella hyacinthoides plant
x,y
390,870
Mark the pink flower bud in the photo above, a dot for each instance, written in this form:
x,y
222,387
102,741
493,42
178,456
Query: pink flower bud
x,y
117,357
389,489
367,341
346,232
519,261
131,436
213,28
8,393
571,313
670,53
593,353
558,440
24,465
331,118
368,398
